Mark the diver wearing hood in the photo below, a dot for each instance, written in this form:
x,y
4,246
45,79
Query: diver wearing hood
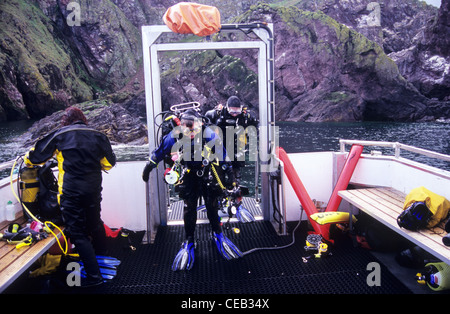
x,y
82,153
203,177
234,115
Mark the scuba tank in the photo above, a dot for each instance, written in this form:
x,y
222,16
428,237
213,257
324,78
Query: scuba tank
x,y
436,276
38,192
29,187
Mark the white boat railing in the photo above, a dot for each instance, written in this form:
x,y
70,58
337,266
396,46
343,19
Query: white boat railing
x,y
396,146
6,165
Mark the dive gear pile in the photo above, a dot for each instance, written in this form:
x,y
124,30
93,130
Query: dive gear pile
x,y
23,236
47,226
423,209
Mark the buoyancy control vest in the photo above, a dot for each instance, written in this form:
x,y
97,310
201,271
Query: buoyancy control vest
x,y
38,191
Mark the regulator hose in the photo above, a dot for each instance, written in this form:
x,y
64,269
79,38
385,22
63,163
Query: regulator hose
x,y
278,247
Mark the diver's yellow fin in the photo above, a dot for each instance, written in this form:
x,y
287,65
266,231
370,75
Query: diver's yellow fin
x,y
332,217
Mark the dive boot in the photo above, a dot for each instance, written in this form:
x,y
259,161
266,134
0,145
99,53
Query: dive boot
x,y
226,248
185,256
243,215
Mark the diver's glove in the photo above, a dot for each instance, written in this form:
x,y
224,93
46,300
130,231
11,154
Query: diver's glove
x,y
226,248
230,181
185,256
147,169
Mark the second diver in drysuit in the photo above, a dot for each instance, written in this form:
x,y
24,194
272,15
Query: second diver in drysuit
x,y
202,177
236,118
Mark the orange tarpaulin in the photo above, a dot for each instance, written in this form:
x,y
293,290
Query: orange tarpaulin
x,y
192,18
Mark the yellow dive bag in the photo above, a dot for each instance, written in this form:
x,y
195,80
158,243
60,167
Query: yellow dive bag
x,y
438,205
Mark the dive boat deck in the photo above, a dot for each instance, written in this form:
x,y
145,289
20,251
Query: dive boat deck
x,y
279,270
290,270
175,212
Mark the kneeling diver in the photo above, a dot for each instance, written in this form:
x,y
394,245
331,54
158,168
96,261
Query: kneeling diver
x,y
201,179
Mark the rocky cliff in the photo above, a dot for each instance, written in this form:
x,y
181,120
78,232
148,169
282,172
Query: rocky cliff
x,y
325,70
54,53
349,60
426,61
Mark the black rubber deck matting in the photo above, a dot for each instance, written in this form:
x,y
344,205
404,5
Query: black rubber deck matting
x,y
148,269
175,212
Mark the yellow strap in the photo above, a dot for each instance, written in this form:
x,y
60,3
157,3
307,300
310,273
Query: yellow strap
x,y
217,177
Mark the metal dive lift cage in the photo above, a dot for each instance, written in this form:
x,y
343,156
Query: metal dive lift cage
x,y
153,42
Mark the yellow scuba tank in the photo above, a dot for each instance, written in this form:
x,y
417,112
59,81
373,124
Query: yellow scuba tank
x,y
436,276
29,187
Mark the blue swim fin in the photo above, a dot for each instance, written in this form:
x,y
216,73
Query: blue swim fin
x,y
102,259
226,248
107,272
243,215
184,260
108,260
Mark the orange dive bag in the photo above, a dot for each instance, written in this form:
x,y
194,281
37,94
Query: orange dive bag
x,y
192,18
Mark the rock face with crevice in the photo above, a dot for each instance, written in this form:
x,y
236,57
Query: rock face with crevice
x,y
324,71
352,60
327,71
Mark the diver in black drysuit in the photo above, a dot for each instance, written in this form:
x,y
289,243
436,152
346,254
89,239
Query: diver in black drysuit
x,y
82,153
199,180
233,115
237,121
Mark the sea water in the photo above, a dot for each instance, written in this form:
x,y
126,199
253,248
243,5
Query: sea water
x,y
294,137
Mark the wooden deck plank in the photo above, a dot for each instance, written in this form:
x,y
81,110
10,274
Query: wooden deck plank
x,y
385,204
14,261
394,194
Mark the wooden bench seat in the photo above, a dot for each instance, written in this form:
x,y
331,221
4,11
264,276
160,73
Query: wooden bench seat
x,y
15,261
385,204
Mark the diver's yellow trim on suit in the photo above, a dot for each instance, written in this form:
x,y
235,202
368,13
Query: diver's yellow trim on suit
x,y
106,165
60,159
